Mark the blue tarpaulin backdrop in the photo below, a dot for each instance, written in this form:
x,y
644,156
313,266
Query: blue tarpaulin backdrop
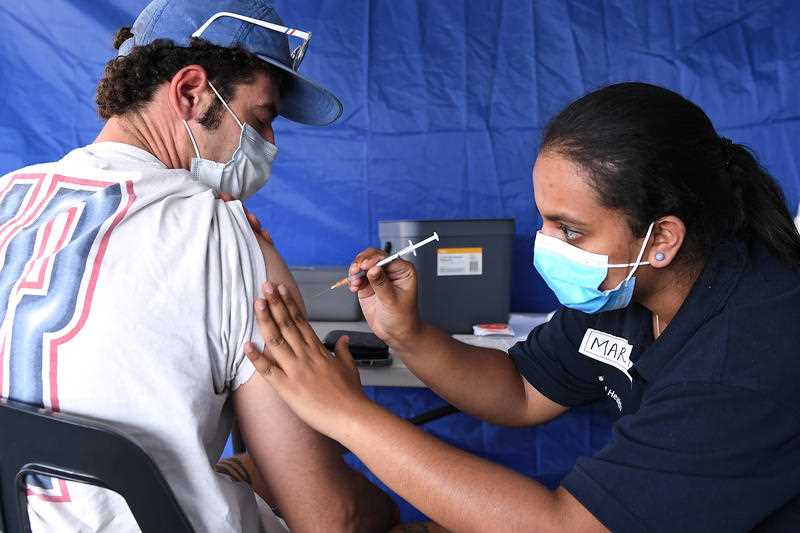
x,y
444,104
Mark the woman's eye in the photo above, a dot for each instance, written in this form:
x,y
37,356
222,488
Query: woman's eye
x,y
569,234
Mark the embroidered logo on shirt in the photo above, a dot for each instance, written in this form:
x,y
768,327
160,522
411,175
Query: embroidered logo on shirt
x,y
607,348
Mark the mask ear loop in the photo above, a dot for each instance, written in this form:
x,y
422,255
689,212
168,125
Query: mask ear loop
x,y
641,252
191,138
239,122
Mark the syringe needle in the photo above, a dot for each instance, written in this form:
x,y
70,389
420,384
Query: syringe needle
x,y
385,260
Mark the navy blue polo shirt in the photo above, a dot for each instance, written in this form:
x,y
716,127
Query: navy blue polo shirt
x,y
708,434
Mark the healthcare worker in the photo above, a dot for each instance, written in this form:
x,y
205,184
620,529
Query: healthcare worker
x,y
676,261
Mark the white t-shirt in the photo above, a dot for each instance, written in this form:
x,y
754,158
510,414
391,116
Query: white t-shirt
x,y
126,293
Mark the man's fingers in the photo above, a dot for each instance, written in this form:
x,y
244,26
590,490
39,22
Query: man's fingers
x,y
297,316
267,237
280,315
253,220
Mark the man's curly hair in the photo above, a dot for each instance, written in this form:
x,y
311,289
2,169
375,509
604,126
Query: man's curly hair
x,y
129,82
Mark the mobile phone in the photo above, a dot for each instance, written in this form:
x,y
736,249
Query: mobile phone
x,y
367,348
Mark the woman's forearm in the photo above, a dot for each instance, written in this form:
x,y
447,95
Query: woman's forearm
x,y
457,490
479,381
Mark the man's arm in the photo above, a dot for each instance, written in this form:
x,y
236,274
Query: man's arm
x,y
303,472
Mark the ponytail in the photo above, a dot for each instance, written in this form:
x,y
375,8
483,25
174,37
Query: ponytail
x,y
760,206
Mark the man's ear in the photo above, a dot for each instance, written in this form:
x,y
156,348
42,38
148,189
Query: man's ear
x,y
668,234
188,92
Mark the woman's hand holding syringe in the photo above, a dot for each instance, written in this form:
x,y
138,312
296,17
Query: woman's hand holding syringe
x,y
387,291
408,249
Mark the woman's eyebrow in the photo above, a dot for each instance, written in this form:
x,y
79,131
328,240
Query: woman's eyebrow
x,y
560,217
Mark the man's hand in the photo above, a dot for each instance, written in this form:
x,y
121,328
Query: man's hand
x,y
388,295
240,467
320,388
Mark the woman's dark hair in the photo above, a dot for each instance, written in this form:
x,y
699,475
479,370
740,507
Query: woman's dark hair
x,y
649,152
128,82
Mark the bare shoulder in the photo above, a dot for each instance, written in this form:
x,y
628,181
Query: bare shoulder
x,y
277,270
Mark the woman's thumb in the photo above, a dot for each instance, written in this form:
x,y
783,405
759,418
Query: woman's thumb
x,y
342,350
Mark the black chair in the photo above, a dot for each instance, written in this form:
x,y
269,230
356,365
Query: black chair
x,y
39,441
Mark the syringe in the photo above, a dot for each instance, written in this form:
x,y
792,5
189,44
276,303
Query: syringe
x,y
408,249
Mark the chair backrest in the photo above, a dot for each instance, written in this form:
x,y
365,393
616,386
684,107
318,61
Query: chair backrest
x,y
38,441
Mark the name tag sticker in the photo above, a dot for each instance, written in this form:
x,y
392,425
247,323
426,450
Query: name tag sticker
x,y
607,348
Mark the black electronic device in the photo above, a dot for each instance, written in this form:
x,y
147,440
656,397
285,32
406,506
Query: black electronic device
x,y
367,348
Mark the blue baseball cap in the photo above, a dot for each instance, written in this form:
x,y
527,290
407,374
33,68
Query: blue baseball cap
x,y
302,100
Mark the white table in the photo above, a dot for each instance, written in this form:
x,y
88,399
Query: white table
x,y
398,375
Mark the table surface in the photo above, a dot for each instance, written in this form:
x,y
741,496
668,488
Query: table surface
x,y
398,375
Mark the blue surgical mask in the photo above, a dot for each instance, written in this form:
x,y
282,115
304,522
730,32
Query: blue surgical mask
x,y
248,169
574,275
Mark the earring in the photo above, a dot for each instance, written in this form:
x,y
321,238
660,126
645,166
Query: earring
x,y
659,256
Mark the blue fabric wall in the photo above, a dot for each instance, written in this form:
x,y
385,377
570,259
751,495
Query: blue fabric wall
x,y
444,100
444,105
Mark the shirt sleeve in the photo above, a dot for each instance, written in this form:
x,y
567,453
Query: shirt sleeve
x,y
549,360
235,255
695,457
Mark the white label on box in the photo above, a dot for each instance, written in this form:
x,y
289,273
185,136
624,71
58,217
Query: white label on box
x,y
459,262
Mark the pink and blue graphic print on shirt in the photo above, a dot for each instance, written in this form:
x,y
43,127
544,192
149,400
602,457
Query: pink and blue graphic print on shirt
x,y
54,231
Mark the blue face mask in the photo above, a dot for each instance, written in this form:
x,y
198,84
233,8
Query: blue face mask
x,y
574,275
